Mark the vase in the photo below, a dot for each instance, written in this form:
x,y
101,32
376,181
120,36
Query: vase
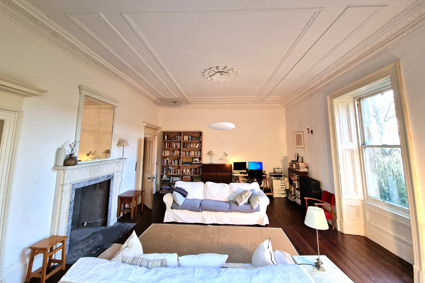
x,y
60,156
71,160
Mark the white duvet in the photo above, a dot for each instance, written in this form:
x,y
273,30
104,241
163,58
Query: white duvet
x,y
95,270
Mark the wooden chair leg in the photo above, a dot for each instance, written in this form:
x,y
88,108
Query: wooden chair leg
x,y
132,208
119,207
141,200
63,254
31,261
44,266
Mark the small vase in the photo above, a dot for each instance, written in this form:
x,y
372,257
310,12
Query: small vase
x,y
71,160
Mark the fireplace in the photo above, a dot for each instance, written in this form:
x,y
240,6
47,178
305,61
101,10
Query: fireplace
x,y
71,181
89,208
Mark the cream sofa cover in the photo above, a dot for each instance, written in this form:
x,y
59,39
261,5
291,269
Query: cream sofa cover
x,y
215,191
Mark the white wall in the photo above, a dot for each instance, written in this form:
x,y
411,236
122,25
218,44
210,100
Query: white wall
x,y
410,53
260,134
47,123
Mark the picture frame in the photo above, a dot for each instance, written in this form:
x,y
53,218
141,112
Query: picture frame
x,y
277,170
299,139
301,159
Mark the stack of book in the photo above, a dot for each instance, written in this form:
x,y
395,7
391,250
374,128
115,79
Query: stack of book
x,y
302,167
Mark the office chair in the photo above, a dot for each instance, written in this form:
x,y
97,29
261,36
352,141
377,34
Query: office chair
x,y
255,176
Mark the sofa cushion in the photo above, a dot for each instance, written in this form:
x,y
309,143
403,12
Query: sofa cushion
x,y
242,198
178,198
215,205
237,188
244,208
194,189
216,191
254,199
189,204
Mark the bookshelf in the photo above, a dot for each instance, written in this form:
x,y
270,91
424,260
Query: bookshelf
x,y
181,157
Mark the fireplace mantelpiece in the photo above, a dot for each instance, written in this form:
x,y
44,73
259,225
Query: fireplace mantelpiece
x,y
69,175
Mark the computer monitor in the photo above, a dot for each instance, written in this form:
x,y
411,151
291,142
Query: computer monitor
x,y
255,165
239,166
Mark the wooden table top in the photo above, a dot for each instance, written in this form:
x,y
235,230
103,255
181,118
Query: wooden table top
x,y
48,242
131,193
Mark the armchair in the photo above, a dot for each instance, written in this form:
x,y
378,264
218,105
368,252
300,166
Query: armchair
x,y
327,200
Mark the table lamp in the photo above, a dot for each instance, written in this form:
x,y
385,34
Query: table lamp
x,y
123,142
210,153
316,219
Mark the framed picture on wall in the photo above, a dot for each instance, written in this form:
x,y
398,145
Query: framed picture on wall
x,y
299,139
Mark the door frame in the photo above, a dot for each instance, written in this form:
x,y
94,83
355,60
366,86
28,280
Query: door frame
x,y
148,130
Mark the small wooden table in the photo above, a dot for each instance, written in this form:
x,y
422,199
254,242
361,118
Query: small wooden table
x,y
129,197
47,248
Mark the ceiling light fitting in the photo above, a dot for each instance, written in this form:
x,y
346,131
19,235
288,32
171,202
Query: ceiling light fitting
x,y
220,74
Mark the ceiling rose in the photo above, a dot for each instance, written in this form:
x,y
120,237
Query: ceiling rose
x,y
220,73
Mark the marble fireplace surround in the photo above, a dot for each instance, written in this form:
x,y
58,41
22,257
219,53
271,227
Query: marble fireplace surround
x,y
70,178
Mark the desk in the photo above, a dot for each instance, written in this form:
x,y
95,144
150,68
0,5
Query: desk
x,y
332,273
265,181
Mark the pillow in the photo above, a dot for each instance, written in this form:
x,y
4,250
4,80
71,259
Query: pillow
x,y
216,191
203,260
194,189
172,259
254,199
282,257
143,262
263,255
243,197
178,198
236,188
181,191
131,248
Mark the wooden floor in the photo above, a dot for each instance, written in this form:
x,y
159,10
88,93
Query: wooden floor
x,y
360,258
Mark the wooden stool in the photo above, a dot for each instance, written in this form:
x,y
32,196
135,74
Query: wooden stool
x,y
129,197
46,247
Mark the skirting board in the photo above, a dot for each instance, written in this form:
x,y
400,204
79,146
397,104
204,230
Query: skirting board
x,y
16,272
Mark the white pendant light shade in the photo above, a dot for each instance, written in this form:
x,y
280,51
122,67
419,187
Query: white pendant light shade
x,y
222,126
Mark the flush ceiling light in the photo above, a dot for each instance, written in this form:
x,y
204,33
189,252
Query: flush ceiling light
x,y
220,74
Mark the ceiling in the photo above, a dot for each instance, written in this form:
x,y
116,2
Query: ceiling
x,y
283,50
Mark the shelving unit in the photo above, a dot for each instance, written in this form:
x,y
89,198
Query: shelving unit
x,y
294,190
178,153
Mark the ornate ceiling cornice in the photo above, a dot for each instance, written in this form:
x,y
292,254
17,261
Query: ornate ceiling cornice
x,y
32,19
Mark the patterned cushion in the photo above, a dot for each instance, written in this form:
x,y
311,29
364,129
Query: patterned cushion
x,y
143,262
243,197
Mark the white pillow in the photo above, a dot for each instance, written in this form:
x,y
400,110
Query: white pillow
x,y
172,259
203,260
194,189
282,257
263,255
178,198
131,248
236,188
216,191
254,199
243,197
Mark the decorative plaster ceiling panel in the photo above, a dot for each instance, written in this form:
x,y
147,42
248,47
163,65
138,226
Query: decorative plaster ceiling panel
x,y
282,49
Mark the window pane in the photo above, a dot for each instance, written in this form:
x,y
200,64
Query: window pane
x,y
379,120
384,175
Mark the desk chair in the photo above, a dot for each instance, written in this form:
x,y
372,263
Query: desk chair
x,y
255,176
327,200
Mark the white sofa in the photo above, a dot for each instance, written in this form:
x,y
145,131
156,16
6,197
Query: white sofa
x,y
221,192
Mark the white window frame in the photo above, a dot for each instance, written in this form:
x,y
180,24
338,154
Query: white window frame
x,y
360,132
392,71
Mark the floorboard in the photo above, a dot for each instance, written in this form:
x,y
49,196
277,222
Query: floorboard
x,y
360,258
